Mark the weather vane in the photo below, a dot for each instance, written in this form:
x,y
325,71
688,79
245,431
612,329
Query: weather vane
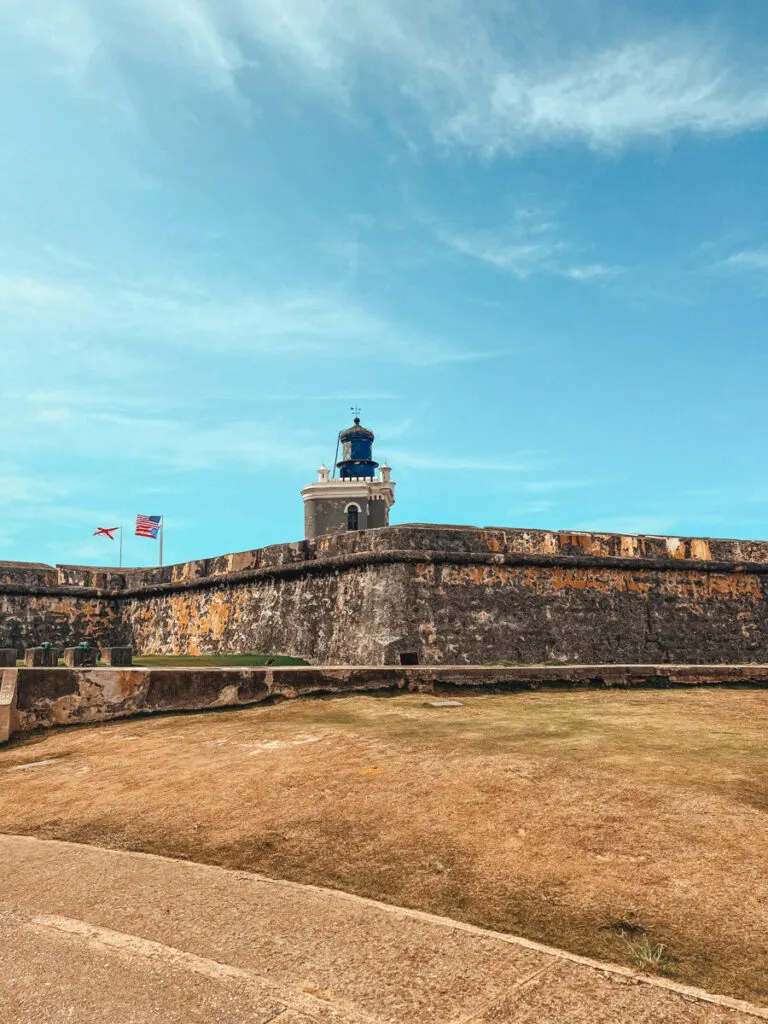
x,y
355,409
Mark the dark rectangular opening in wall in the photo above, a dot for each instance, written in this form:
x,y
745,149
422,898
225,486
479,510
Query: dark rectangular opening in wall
x,y
409,658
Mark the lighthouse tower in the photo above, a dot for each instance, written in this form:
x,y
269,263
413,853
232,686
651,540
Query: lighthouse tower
x,y
358,498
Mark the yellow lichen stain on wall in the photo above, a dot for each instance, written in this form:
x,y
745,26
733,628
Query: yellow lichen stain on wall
x,y
216,620
425,574
430,646
576,579
482,575
733,587
700,551
586,543
492,540
628,546
635,584
697,587
549,544
675,547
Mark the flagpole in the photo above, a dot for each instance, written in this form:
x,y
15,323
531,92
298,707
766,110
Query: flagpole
x,y
162,518
121,547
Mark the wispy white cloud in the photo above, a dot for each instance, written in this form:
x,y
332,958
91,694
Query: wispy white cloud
x,y
530,508
748,260
520,463
90,41
481,75
338,397
184,314
181,444
66,29
151,438
17,290
646,89
748,265
715,500
552,486
529,243
590,272
18,488
651,523
146,437
522,259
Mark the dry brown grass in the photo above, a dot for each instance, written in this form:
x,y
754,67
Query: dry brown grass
x,y
627,826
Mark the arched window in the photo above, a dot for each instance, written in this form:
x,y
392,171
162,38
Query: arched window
x,y
353,517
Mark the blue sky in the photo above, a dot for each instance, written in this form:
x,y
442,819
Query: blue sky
x,y
530,238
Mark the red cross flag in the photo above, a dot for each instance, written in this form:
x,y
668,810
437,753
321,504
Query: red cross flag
x,y
106,531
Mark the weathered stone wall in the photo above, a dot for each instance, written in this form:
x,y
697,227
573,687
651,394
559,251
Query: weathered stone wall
x,y
449,594
64,620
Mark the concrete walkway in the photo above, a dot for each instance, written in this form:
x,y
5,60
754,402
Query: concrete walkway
x,y
93,935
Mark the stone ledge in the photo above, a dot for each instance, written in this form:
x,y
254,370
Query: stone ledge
x,y
58,696
8,684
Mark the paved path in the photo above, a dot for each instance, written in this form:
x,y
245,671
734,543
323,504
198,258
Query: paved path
x,y
93,935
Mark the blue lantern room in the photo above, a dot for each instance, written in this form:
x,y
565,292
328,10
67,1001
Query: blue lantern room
x,y
357,445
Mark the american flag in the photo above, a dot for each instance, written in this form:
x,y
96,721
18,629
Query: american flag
x,y
148,526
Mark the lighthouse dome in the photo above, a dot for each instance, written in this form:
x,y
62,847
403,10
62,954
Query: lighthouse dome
x,y
356,432
357,445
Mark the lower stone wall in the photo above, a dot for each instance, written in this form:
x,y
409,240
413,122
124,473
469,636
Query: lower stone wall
x,y
349,616
529,614
64,620
41,698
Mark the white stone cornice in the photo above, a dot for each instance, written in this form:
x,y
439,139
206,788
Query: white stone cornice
x,y
354,487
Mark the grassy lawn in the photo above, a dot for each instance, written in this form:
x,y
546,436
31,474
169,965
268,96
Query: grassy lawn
x,y
629,826
214,660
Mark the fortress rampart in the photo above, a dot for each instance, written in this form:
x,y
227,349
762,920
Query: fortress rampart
x,y
444,594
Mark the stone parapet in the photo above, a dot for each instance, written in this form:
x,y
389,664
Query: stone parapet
x,y
420,540
40,657
117,657
80,657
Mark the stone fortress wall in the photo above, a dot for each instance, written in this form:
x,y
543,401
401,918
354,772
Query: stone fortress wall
x,y
446,594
